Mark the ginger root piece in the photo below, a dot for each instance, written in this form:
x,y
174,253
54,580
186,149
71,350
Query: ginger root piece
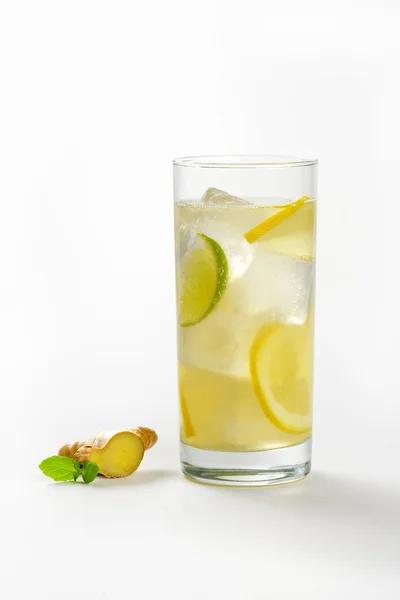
x,y
118,453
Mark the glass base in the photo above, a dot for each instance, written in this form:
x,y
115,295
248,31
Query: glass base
x,y
240,469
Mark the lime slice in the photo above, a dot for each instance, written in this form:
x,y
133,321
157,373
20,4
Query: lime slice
x,y
203,280
284,213
281,374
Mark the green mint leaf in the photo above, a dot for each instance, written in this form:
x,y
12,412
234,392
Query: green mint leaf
x,y
78,469
89,471
59,468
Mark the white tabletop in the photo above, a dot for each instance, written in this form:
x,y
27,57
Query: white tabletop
x,y
156,533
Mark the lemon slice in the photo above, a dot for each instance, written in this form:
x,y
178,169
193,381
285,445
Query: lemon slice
x,y
284,213
281,374
187,426
294,236
203,280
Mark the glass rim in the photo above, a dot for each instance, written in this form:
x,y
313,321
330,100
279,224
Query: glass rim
x,y
244,161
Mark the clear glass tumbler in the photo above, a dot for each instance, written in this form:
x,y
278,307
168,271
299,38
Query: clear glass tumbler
x,y
245,265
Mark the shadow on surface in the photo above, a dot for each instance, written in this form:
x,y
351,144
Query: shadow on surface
x,y
342,517
141,477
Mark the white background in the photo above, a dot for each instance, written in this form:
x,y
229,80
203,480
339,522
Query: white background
x,y
96,99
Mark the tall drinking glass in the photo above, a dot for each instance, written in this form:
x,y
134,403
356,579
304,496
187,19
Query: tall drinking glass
x,y
245,266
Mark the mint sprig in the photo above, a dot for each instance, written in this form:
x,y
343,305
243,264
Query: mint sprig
x,y
90,471
62,468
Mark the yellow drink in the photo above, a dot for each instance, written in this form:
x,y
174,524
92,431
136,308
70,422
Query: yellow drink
x,y
245,276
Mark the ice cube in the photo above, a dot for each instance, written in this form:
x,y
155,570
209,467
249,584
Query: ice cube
x,y
227,232
223,224
275,286
187,217
220,342
215,197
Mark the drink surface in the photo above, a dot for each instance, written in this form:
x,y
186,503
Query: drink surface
x,y
245,292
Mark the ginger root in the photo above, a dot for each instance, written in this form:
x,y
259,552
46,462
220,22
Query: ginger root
x,y
118,453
